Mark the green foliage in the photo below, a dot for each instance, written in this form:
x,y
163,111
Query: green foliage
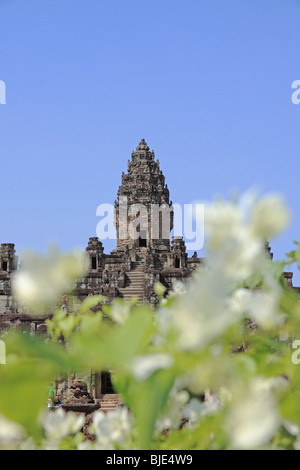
x,y
31,366
225,336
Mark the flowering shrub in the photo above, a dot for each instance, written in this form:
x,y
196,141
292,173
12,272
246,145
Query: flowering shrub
x,y
211,369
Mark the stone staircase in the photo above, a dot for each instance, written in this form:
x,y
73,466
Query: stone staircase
x,y
135,282
109,401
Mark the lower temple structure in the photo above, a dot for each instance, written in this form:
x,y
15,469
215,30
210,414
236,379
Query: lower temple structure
x,y
144,255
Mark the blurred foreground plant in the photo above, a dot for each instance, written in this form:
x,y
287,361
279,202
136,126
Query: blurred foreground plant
x,y
211,369
42,280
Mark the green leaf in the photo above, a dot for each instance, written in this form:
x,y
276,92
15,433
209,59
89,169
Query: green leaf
x,y
147,400
113,346
31,365
91,302
297,256
23,391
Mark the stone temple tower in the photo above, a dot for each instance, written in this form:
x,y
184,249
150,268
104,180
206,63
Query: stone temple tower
x,y
143,211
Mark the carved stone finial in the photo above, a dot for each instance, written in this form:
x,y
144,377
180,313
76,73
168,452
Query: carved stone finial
x,y
142,146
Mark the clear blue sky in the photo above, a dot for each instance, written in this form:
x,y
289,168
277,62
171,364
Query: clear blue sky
x,y
207,83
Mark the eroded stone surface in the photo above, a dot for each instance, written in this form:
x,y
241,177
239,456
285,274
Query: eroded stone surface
x,y
132,269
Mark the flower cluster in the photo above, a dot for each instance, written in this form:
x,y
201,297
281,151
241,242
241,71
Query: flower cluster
x,y
210,369
41,280
112,429
216,297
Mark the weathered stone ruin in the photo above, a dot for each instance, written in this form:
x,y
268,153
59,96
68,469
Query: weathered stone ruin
x,y
144,254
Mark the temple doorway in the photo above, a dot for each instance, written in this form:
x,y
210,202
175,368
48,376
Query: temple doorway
x,y
106,384
143,239
103,384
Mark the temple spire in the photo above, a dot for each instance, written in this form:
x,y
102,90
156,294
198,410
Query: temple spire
x,y
144,184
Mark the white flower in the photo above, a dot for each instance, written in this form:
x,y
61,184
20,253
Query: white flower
x,y
253,418
235,253
120,311
172,415
10,432
143,366
259,305
273,384
292,428
223,221
270,216
264,308
195,409
240,300
41,280
28,444
178,289
202,314
112,428
59,424
237,231
238,258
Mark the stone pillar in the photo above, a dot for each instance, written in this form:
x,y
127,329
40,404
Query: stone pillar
x,y
8,258
95,251
178,253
